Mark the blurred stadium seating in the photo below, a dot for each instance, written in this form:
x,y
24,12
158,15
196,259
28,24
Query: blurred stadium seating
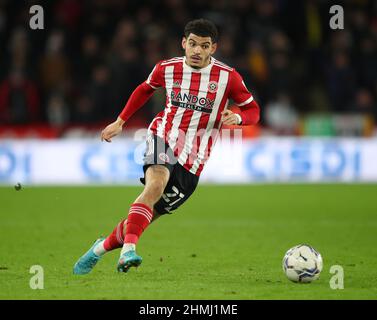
x,y
80,70
74,77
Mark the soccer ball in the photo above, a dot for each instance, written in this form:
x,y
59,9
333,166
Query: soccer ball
x,y
302,263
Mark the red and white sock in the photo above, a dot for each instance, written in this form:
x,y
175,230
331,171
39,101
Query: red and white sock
x,y
114,241
139,217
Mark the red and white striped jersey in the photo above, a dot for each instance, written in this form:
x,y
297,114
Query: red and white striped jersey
x,y
195,98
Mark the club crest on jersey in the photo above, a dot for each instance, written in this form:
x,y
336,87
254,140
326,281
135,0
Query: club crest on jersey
x,y
212,86
163,157
176,84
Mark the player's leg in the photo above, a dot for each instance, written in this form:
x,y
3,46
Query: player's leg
x,y
102,245
141,214
115,239
157,177
180,186
179,189
139,217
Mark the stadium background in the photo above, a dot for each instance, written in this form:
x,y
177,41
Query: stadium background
x,y
317,88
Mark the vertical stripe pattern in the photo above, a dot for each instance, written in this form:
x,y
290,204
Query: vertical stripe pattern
x,y
189,130
223,79
185,88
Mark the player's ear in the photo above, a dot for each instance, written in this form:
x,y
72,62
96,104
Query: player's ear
x,y
184,40
213,48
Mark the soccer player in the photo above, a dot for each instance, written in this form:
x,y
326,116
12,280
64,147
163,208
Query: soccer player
x,y
180,138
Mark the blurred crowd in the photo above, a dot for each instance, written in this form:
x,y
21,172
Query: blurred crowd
x,y
92,53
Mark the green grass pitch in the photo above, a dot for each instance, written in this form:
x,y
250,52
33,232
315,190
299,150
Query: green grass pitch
x,y
225,242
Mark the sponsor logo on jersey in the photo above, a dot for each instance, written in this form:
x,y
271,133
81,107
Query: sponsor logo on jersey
x,y
192,102
212,86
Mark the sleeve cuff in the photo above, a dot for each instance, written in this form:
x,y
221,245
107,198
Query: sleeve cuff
x,y
239,118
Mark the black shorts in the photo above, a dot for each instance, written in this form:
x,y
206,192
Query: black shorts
x,y
181,184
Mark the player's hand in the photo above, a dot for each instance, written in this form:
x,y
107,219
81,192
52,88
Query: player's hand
x,y
230,118
112,130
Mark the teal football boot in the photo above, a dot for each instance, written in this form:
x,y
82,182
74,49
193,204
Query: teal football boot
x,y
127,260
87,262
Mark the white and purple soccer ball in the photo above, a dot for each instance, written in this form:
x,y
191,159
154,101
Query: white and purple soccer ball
x,y
302,263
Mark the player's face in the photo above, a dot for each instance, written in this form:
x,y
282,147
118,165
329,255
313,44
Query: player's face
x,y
198,50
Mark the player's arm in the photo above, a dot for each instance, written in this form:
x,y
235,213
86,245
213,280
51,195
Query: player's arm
x,y
137,99
249,109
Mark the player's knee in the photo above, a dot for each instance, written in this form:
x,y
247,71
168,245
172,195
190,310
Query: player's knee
x,y
155,188
157,178
157,173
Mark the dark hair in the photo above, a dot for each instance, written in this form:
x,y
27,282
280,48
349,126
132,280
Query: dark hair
x,y
202,28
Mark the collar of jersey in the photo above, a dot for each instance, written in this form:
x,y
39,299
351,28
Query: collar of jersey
x,y
207,68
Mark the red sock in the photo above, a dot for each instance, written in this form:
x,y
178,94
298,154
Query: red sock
x,y
115,239
139,217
